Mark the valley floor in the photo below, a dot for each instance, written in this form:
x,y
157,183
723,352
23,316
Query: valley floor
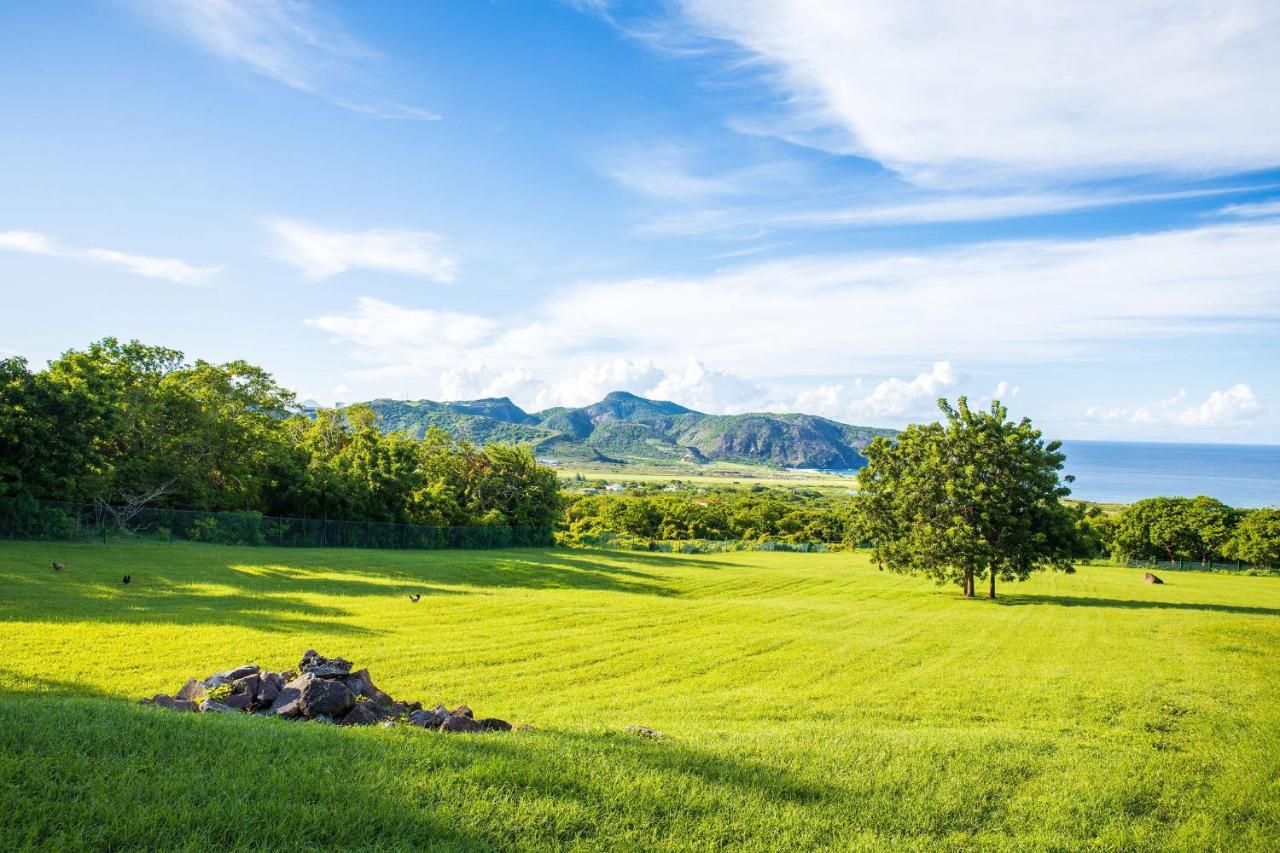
x,y
807,701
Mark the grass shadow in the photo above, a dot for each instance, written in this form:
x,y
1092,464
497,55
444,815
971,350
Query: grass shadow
x,y
1017,599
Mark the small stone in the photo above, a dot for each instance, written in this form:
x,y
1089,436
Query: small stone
x,y
463,711
323,718
387,724
459,724
1151,578
643,731
493,724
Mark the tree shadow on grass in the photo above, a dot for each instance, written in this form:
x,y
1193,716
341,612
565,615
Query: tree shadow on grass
x,y
397,572
91,772
1016,599
273,589
156,599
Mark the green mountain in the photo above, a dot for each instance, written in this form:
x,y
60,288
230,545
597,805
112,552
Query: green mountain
x,y
625,428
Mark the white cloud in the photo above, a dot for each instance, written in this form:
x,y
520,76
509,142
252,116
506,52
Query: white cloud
x,y
967,91
943,208
1252,211
786,320
321,252
708,390
1230,407
897,398
407,338
30,242
1236,404
293,42
593,382
168,269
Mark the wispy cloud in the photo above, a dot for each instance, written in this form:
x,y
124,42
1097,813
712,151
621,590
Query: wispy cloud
x,y
1096,88
1254,210
294,42
321,252
147,266
933,209
671,172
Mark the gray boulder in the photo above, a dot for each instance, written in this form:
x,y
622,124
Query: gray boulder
x,y
361,684
364,714
493,724
322,667
325,697
210,706
268,689
1151,578
459,724
288,701
464,711
163,700
226,677
193,690
427,719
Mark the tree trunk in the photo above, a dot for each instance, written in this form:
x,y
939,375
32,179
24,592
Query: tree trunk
x,y
968,583
992,593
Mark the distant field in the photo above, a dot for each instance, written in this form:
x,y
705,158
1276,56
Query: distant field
x,y
719,474
808,701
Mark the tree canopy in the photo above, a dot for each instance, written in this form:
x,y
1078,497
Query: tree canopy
x,y
979,496
123,424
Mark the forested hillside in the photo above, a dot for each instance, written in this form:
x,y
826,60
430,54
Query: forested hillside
x,y
625,428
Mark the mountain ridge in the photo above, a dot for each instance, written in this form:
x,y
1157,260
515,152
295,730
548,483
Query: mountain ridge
x,y
624,427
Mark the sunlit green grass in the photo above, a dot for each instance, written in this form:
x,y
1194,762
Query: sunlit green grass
x,y
807,701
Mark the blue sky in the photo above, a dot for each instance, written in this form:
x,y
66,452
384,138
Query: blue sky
x,y
820,205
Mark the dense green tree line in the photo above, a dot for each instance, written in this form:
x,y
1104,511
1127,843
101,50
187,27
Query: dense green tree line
x,y
1199,529
747,515
126,424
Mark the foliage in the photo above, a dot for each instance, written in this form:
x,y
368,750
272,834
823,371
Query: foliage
x,y
127,425
978,497
682,515
1256,539
809,703
1201,529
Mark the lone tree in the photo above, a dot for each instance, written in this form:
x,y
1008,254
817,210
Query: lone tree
x,y
977,497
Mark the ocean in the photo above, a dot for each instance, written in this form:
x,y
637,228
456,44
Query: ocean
x,y
1241,475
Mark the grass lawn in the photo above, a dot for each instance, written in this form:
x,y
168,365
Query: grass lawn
x,y
807,700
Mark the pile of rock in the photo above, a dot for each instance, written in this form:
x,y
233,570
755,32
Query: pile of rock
x,y
321,689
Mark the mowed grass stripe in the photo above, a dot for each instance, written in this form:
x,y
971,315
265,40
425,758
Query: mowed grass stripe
x,y
808,701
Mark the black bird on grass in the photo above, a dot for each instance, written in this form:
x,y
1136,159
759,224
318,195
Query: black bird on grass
x,y
414,597
57,567
128,578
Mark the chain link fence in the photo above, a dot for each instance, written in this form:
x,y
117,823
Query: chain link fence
x,y
59,521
